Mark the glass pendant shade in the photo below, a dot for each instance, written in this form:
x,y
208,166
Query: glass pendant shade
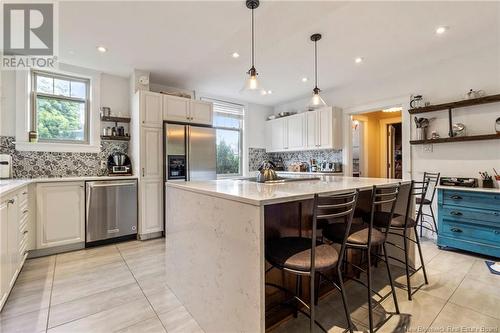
x,y
316,100
251,83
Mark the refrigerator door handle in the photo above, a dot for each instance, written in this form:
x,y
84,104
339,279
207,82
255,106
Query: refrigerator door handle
x,y
188,152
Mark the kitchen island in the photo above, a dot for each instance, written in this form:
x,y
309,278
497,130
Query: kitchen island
x,y
215,236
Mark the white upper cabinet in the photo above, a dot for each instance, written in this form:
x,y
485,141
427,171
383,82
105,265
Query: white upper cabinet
x,y
151,109
151,152
60,213
319,129
201,112
186,110
295,131
176,109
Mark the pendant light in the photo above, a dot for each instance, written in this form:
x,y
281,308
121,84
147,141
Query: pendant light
x,y
316,100
251,84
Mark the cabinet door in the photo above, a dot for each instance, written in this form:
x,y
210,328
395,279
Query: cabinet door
x,y
151,152
151,206
151,109
201,112
311,129
176,109
296,131
278,135
325,128
60,214
4,256
13,238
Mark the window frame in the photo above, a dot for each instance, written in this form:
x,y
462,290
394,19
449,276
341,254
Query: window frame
x,y
239,130
34,104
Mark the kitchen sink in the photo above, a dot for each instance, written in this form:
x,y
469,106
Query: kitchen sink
x,y
282,179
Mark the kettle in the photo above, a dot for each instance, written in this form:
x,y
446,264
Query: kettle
x,y
266,172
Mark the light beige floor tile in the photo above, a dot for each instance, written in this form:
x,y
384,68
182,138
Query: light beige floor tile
x,y
145,266
152,325
462,318
85,306
28,303
152,281
75,286
37,269
301,325
423,308
31,322
109,320
481,272
88,258
179,321
162,299
137,249
479,296
449,261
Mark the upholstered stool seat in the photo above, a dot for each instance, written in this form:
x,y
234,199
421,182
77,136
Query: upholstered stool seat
x,y
295,253
358,234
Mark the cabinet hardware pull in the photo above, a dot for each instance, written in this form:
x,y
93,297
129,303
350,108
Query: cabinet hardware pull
x,y
456,213
496,214
25,232
456,230
11,201
456,197
25,193
143,172
25,211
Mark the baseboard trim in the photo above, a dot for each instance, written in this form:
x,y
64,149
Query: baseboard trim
x,y
55,250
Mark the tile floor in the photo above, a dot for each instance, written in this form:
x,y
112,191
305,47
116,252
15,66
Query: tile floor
x,y
121,288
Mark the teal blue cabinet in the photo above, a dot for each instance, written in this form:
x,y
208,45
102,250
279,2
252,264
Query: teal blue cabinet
x,y
469,220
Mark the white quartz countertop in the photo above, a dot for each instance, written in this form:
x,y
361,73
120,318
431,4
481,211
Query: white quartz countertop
x,y
309,173
264,194
9,185
470,189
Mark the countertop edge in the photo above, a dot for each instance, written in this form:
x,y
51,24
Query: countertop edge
x,y
469,189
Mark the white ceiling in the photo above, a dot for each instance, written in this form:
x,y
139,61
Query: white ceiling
x,y
188,44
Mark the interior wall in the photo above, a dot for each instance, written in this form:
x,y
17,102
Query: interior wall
x,y
442,81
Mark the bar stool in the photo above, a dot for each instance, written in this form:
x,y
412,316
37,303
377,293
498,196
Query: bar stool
x,y
433,179
364,236
401,225
308,256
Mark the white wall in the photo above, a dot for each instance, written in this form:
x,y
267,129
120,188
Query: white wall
x,y
439,82
114,93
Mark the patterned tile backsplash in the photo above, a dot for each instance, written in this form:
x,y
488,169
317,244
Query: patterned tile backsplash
x,y
28,164
257,155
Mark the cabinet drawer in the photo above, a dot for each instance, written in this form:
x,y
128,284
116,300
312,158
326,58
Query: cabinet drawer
x,y
464,215
472,199
471,232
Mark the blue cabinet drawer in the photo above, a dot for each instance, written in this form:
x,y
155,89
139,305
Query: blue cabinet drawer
x,y
470,231
471,199
473,215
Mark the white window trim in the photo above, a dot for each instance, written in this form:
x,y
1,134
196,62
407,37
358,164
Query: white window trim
x,y
23,113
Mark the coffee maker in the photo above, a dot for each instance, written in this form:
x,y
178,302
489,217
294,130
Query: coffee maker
x,y
119,164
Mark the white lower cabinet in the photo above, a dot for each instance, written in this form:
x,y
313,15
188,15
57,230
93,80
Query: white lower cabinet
x,y
60,214
14,219
151,207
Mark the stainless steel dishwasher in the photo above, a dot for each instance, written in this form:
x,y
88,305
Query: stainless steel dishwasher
x,y
111,210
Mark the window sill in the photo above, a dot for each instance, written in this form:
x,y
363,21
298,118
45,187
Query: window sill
x,y
57,147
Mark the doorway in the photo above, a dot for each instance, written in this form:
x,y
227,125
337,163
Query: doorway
x,y
377,144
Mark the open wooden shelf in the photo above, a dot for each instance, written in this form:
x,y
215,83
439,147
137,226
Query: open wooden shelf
x,y
458,104
457,139
115,137
116,119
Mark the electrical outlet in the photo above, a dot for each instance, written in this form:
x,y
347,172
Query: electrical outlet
x,y
104,164
428,148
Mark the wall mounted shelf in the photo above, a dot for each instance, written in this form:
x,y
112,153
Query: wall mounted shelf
x,y
115,119
457,104
457,139
115,138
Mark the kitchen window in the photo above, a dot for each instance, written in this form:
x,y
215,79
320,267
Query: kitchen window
x,y
60,108
228,122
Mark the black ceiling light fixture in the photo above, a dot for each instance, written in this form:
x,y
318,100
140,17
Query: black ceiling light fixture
x,y
316,100
251,83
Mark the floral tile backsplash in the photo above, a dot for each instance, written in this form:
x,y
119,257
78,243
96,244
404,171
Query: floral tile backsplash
x,y
28,164
257,155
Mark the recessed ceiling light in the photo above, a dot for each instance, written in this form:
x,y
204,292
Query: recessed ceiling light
x,y
269,92
305,79
102,49
263,92
235,55
358,60
441,30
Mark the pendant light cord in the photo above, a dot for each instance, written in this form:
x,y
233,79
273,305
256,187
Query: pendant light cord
x,y
253,52
315,64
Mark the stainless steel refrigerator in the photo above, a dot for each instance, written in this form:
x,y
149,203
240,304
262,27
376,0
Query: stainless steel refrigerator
x,y
190,152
